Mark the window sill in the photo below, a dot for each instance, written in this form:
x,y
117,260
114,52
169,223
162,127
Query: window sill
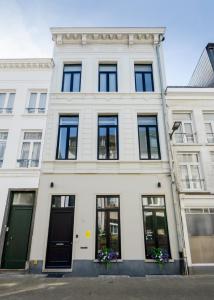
x,y
6,115
171,260
113,261
35,115
186,144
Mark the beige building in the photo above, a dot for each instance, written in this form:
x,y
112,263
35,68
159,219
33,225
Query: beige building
x,y
106,179
193,155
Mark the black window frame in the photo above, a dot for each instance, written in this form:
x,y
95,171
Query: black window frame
x,y
72,77
147,137
117,209
143,78
67,137
107,77
155,209
107,135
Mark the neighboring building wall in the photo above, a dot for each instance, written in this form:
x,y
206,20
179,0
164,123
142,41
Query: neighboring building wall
x,y
87,177
21,77
193,146
203,75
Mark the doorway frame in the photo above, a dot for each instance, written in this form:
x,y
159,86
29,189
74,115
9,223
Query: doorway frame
x,y
6,219
52,270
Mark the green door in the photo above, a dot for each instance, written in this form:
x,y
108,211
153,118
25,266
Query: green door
x,y
18,231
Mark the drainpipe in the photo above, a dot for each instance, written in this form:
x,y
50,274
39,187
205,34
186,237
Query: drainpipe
x,y
175,195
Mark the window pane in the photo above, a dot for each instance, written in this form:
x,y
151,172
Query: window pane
x,y
63,201
107,202
72,68
179,136
185,177
143,143
153,201
62,143
35,154
147,120
182,117
103,82
26,199
195,177
209,117
153,143
102,230
42,102
72,143
201,237
139,82
32,135
148,82
108,120
2,101
3,135
113,143
67,82
2,150
112,83
73,120
32,102
25,152
108,68
114,231
189,133
76,82
162,234
149,232
102,150
10,103
143,68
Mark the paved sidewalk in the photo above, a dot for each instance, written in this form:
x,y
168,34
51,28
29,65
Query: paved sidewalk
x,y
29,287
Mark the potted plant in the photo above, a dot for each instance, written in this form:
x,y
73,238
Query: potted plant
x,y
106,256
161,256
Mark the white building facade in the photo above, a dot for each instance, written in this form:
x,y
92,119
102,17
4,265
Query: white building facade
x,y
193,155
105,179
24,85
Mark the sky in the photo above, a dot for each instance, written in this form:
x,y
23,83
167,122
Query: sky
x,y
24,26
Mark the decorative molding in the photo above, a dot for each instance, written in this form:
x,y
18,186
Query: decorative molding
x,y
31,63
129,36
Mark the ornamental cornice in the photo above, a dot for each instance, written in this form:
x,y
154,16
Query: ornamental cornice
x,y
129,36
29,63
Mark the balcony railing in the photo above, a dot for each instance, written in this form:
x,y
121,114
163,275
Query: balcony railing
x,y
28,163
210,137
35,110
6,110
185,138
193,184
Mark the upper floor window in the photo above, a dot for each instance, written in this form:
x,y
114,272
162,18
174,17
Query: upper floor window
x,y
155,225
108,137
107,78
184,134
71,78
3,141
190,171
37,103
7,102
148,137
30,150
143,78
108,224
209,126
67,137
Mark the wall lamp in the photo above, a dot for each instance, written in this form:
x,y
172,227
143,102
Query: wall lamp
x,y
175,127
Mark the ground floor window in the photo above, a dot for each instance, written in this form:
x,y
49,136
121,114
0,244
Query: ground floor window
x,y
155,225
200,226
108,224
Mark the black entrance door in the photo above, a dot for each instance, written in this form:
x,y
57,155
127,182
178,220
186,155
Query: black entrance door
x,y
60,237
18,230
